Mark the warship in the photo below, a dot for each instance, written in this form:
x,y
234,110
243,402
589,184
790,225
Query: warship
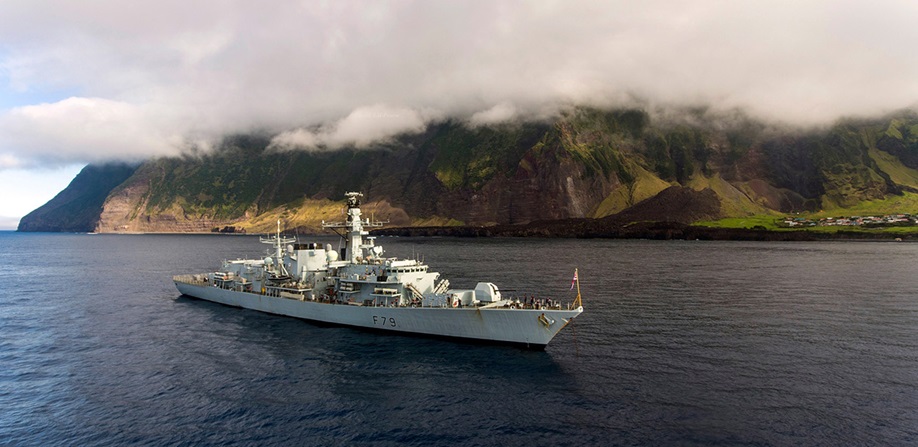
x,y
360,287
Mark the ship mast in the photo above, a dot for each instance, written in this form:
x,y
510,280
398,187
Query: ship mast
x,y
577,301
278,242
354,228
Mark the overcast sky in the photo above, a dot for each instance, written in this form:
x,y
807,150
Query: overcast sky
x,y
96,80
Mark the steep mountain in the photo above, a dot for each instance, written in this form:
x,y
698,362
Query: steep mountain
x,y
77,208
586,163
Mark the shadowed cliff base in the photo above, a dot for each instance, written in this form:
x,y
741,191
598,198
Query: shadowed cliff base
x,y
595,228
664,217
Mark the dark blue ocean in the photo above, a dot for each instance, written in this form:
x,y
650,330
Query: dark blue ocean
x,y
681,343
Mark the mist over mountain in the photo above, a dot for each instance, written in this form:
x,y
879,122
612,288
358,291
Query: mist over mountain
x,y
110,80
585,163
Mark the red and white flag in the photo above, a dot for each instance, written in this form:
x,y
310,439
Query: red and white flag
x,y
574,281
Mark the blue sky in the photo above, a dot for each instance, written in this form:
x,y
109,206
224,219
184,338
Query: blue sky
x,y
106,80
23,190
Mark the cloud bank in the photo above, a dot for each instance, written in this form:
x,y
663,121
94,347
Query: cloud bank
x,y
360,128
154,78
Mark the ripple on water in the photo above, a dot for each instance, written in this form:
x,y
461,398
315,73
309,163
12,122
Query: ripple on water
x,y
681,343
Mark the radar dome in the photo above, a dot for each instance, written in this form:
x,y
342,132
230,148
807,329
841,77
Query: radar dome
x,y
269,261
332,256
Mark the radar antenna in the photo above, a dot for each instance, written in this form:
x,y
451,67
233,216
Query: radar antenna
x,y
278,242
353,229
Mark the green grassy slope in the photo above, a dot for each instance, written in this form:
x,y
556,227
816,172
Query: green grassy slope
x,y
599,162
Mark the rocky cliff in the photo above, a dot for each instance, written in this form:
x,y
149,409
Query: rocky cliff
x,y
587,163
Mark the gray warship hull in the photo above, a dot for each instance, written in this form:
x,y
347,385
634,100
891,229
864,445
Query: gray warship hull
x,y
531,328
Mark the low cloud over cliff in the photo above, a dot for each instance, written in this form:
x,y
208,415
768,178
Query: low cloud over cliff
x,y
99,80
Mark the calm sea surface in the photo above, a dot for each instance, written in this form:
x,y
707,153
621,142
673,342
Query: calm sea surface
x,y
682,343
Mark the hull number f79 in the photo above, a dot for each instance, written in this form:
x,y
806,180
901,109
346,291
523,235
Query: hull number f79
x,y
384,321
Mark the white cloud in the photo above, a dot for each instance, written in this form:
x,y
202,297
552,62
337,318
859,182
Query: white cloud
x,y
498,114
78,129
368,124
360,128
295,139
150,76
9,161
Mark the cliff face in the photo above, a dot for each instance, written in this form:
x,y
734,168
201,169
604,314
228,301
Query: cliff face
x,y
587,163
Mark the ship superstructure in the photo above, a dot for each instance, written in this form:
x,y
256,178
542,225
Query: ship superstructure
x,y
359,286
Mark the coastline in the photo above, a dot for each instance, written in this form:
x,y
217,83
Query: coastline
x,y
590,228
